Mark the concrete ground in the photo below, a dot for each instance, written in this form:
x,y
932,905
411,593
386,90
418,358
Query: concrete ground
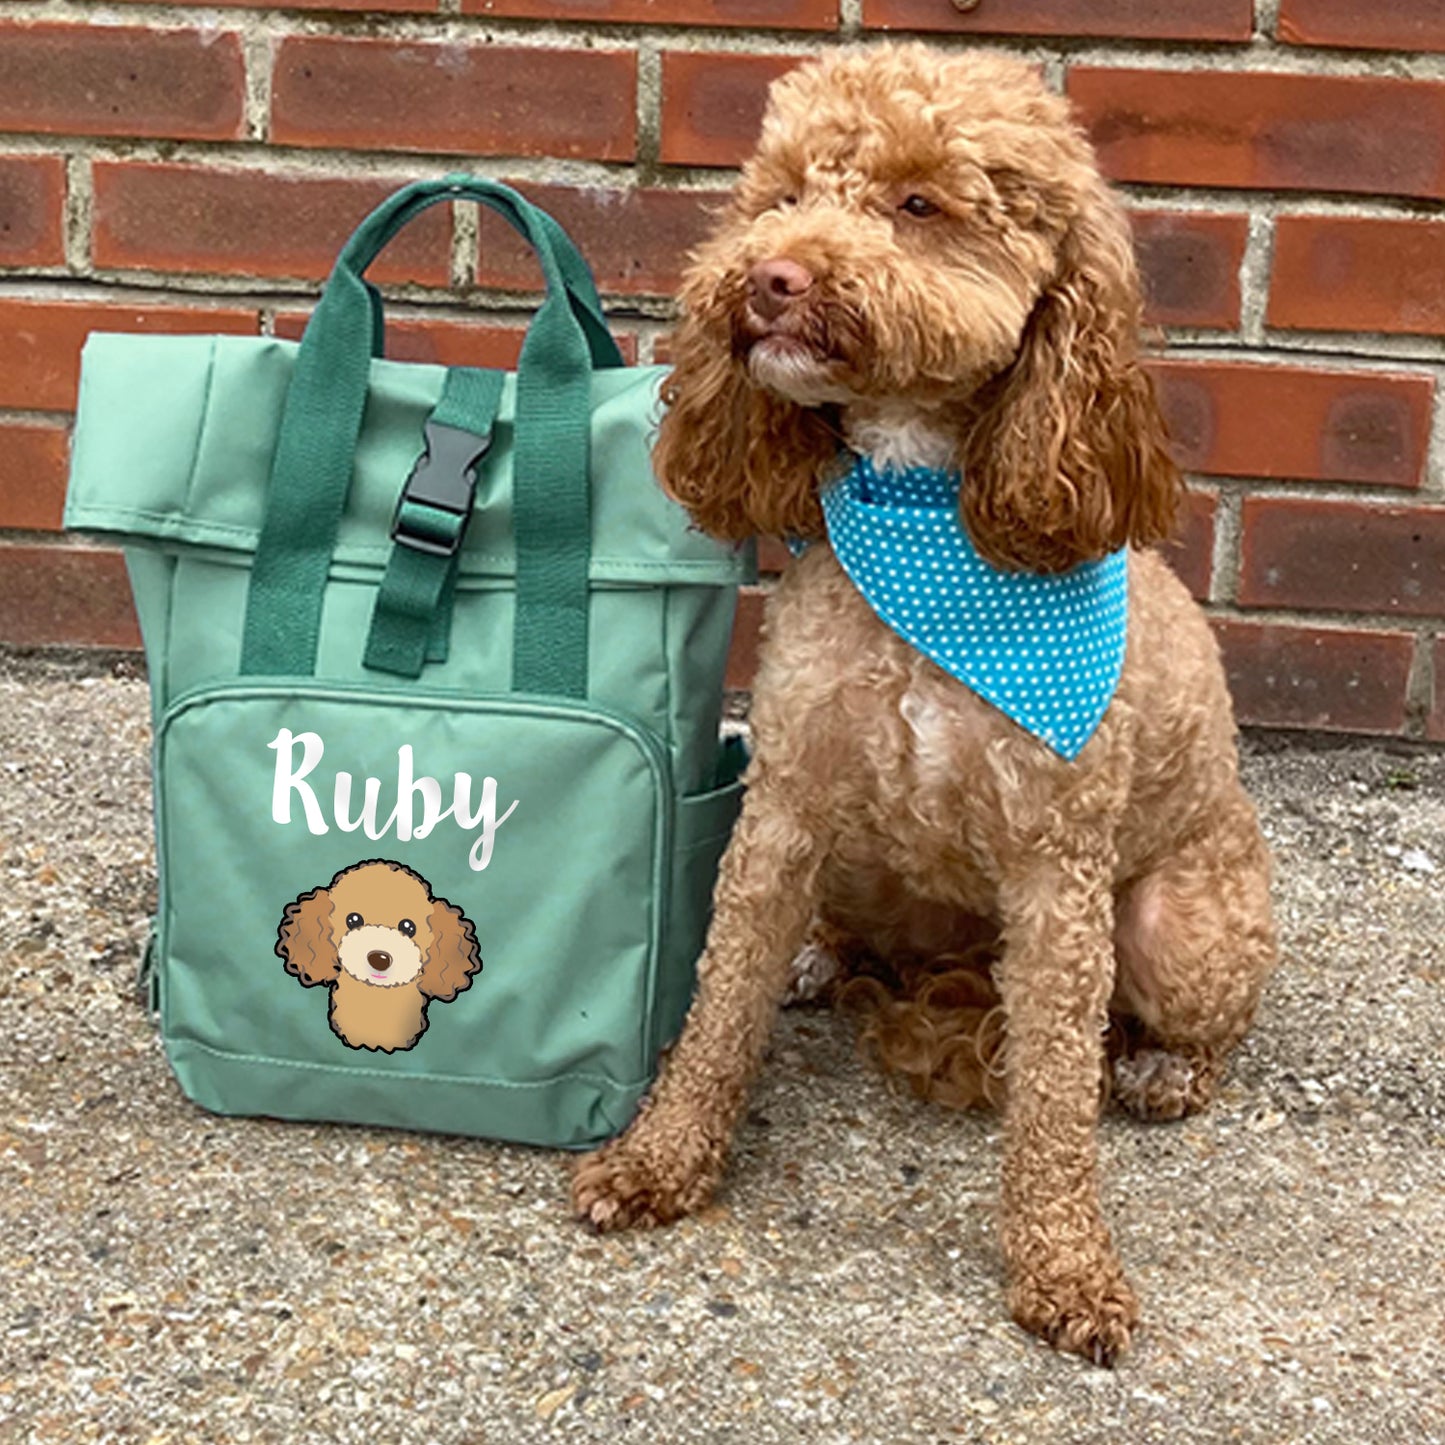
x,y
173,1277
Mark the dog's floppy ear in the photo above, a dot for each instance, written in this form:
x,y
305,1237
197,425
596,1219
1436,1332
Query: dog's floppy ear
x,y
1067,460
453,956
743,462
304,939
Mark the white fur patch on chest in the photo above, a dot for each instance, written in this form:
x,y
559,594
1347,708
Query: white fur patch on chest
x,y
899,437
931,730
948,729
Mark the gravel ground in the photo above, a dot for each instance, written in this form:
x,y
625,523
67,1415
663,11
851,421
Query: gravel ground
x,y
174,1277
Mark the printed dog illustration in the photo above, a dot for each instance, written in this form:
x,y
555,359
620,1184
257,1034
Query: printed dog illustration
x,y
384,947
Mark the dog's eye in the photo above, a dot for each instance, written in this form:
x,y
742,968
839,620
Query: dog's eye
x,y
354,920
919,206
785,202
407,927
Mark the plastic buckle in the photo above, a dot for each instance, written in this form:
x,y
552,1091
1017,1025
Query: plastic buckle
x,y
444,478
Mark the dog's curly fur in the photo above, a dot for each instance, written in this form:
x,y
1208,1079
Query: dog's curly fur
x,y
922,260
388,911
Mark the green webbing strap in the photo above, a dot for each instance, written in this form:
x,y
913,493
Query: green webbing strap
x,y
552,524
311,469
411,622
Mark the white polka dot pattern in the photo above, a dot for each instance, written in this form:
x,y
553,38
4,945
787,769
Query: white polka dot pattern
x,y
1046,650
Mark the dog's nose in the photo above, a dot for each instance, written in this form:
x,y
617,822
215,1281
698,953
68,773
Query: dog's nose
x,y
774,285
378,961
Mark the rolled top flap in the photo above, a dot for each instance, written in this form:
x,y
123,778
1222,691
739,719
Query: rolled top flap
x,y
175,436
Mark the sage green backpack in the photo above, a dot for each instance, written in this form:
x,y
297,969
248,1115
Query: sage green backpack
x,y
436,674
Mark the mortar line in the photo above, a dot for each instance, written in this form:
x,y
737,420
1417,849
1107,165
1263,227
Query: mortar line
x,y
1377,624
1224,565
1433,484
466,246
258,52
1254,276
649,114
1266,22
1261,52
1420,686
1251,58
79,213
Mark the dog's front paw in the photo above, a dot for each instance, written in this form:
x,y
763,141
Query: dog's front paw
x,y
627,1185
1088,1314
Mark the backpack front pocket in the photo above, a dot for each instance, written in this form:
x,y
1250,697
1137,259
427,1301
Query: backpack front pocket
x,y
436,912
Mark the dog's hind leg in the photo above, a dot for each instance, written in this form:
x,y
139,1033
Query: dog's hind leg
x,y
670,1158
1195,941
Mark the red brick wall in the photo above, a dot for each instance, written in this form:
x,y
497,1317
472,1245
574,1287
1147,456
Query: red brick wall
x,y
196,166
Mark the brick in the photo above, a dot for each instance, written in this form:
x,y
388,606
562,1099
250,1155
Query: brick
x,y
446,342
40,341
1190,555
747,634
252,223
1435,723
1349,273
32,210
443,342
1342,557
1191,552
1346,426
1189,264
1190,261
1123,19
117,80
773,554
396,6
1333,679
1399,25
753,14
712,104
454,343
1373,135
33,465
636,241
1280,676
458,99
68,596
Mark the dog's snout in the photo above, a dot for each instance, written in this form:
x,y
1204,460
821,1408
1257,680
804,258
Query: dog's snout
x,y
774,285
378,961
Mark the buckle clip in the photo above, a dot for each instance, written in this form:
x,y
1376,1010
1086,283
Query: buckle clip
x,y
444,479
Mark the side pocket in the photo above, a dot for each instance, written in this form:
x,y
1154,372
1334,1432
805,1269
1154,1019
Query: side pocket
x,y
704,825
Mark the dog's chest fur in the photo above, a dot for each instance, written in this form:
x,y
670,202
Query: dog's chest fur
x,y
369,1017
931,796
926,786
865,718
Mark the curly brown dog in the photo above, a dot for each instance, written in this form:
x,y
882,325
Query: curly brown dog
x,y
384,947
922,261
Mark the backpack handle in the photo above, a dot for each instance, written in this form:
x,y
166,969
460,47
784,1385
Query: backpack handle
x,y
321,421
373,235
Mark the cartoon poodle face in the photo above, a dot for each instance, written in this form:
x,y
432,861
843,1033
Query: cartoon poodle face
x,y
384,947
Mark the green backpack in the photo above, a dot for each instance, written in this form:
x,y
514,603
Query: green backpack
x,y
436,676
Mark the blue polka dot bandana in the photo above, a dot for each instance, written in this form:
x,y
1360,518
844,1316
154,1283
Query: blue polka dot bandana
x,y
1046,650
